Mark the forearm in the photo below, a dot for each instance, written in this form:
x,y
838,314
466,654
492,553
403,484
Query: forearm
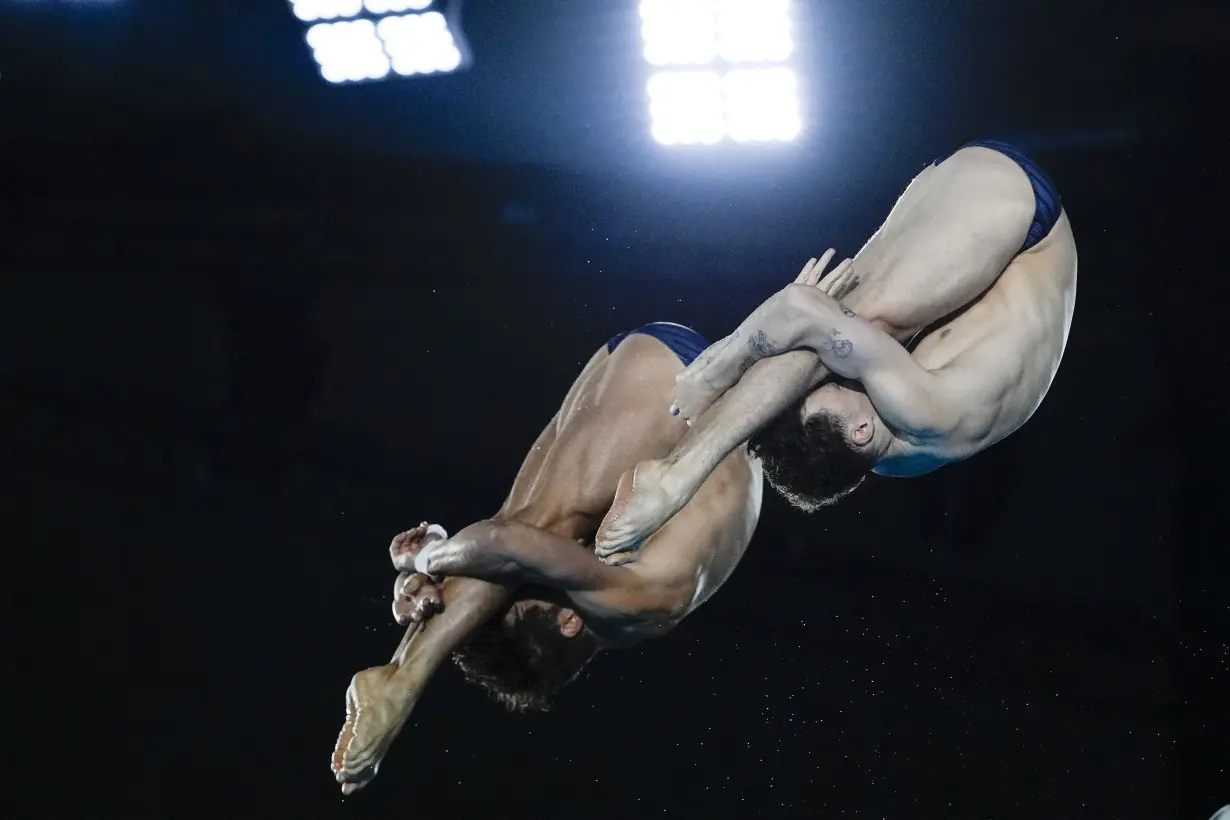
x,y
773,328
768,388
469,603
844,343
509,552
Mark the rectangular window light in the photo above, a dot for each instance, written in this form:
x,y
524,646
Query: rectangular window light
x,y
723,71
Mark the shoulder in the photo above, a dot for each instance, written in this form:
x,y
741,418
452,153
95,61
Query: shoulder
x,y
697,549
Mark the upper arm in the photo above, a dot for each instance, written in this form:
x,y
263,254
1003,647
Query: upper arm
x,y
910,398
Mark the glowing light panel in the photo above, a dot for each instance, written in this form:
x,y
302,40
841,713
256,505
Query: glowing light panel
x,y
419,43
395,6
679,32
364,40
756,31
348,51
687,107
309,10
730,92
761,104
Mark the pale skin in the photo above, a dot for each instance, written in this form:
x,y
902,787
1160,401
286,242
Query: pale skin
x,y
610,420
990,325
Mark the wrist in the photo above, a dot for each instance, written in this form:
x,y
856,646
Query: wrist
x,y
481,550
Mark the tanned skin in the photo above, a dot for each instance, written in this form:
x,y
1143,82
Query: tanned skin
x,y
989,325
610,420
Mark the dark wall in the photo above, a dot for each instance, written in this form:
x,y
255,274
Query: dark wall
x,y
233,363
233,405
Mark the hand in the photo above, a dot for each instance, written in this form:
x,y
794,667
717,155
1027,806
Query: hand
x,y
415,598
697,386
406,546
835,282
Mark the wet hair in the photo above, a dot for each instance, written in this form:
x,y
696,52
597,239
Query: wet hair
x,y
812,463
524,664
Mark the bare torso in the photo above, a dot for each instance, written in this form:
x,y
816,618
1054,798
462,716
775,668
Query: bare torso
x,y
612,419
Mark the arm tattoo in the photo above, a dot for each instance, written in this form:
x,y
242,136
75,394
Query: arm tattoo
x,y
842,348
759,344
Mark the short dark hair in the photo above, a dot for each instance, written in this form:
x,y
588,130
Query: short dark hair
x,y
812,463
524,664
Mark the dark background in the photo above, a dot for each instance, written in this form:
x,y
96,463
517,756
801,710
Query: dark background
x,y
252,325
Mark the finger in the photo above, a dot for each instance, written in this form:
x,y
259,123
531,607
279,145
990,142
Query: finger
x,y
424,608
403,557
431,593
403,611
817,270
836,280
837,277
803,274
414,584
407,585
406,541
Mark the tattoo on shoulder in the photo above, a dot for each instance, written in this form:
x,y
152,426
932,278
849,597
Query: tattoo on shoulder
x,y
760,344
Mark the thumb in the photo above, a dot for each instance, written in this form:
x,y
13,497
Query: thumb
x,y
421,560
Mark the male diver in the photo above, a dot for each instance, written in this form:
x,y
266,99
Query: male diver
x,y
537,604
939,339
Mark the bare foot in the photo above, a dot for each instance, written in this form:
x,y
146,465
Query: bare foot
x,y
702,382
645,500
375,713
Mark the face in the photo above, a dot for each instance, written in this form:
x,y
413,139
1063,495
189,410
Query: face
x,y
847,400
570,623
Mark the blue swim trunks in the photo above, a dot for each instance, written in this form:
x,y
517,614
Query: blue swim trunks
x,y
685,342
1047,204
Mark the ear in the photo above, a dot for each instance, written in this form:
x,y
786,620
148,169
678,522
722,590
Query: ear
x,y
570,623
861,432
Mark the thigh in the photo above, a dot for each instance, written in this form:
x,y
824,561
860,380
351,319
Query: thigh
x,y
616,416
948,238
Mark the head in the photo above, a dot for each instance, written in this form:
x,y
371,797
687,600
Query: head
x,y
823,446
523,658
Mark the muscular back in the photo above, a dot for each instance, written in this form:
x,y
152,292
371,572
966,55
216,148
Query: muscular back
x,y
611,415
613,418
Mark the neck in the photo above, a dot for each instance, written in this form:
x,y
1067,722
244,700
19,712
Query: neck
x,y
902,459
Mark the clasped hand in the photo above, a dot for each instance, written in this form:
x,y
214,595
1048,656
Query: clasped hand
x,y
416,597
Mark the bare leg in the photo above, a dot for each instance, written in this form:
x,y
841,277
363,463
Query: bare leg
x,y
661,488
379,700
